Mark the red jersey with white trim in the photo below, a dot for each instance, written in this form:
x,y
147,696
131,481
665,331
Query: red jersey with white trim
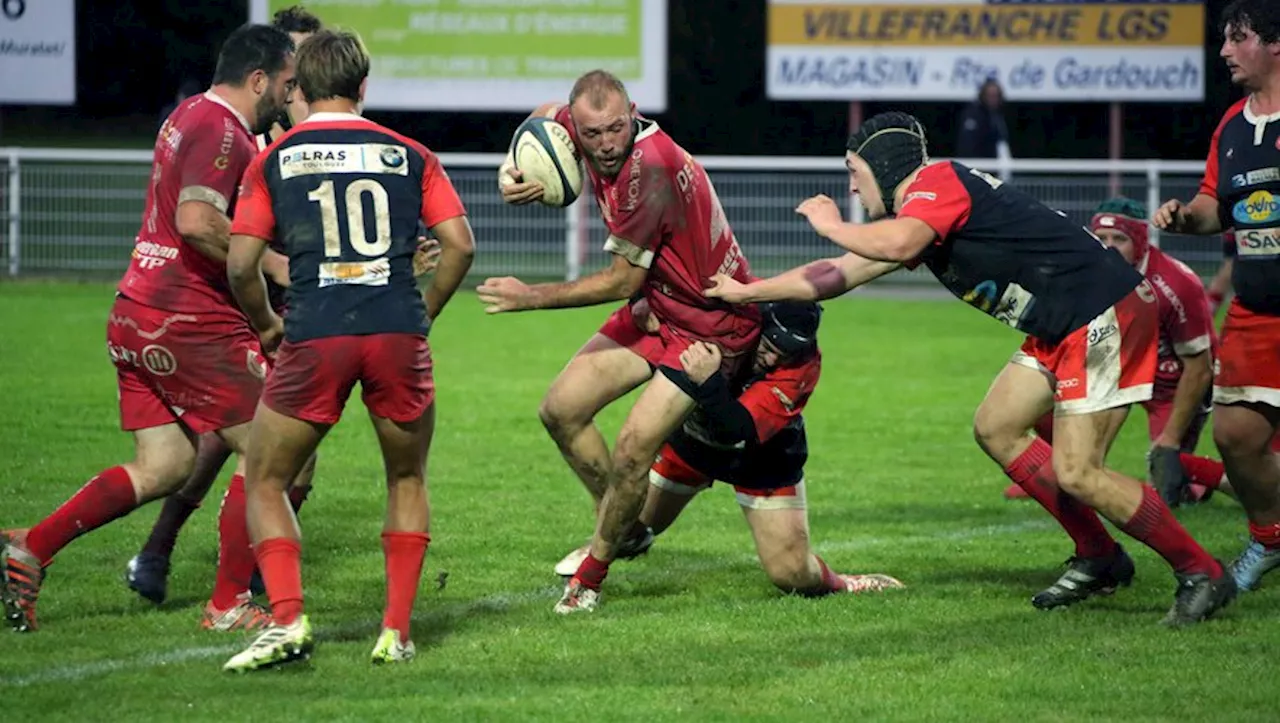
x,y
663,214
1243,173
1010,256
1186,323
202,150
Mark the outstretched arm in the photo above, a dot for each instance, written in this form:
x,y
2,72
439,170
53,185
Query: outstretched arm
x,y
619,281
815,281
896,239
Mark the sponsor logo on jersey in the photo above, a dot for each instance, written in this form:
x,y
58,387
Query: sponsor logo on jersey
x,y
982,296
355,273
1014,305
151,255
1253,178
1259,207
1258,242
307,159
922,195
1099,334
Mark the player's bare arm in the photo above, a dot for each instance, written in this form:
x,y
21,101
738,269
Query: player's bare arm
x,y
275,266
514,190
1199,217
618,281
1197,376
815,281
204,226
897,239
458,249
244,274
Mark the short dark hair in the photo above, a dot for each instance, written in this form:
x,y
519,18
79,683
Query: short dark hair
x,y
1260,16
597,85
332,64
250,48
296,19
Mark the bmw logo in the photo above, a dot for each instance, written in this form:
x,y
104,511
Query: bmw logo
x,y
392,157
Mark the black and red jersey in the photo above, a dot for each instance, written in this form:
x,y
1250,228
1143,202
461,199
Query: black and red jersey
x,y
1010,256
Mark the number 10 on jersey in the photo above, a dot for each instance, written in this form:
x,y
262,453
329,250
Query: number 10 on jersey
x,y
357,229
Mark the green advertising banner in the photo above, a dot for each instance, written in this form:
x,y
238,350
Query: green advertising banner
x,y
497,54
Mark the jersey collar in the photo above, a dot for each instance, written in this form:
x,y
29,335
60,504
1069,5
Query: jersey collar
x,y
329,117
214,97
1259,122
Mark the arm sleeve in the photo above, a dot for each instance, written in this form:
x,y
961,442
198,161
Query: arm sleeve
x,y
938,198
205,172
1191,329
776,400
639,220
255,215
440,201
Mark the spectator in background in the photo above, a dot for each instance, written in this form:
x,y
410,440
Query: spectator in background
x,y
186,89
983,133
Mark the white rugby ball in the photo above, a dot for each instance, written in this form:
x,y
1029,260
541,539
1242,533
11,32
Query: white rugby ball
x,y
543,151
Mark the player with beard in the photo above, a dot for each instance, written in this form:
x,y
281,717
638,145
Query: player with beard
x,y
187,360
668,235
147,573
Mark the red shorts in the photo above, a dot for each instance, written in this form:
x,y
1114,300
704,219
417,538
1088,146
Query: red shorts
x,y
204,370
1109,363
312,379
672,474
1248,364
661,348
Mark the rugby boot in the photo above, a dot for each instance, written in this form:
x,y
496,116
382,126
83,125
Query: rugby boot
x,y
20,586
389,649
577,598
1256,561
277,645
148,575
873,582
244,615
1086,577
1198,597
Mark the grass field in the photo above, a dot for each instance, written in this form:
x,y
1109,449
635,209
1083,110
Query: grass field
x,y
691,631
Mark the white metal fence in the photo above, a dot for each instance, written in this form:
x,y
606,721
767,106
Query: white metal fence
x,y
76,211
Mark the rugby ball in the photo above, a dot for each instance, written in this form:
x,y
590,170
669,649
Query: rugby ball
x,y
543,151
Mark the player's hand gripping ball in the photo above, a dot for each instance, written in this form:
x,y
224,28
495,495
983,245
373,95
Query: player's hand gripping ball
x,y
544,165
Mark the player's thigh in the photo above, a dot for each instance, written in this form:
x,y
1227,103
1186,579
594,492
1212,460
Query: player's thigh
x,y
1081,441
1244,428
658,412
613,362
163,457
279,447
779,522
1019,397
211,368
405,444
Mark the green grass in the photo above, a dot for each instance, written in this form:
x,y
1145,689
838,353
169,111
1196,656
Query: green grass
x,y
693,630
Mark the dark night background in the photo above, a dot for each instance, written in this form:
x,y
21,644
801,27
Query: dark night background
x,y
131,57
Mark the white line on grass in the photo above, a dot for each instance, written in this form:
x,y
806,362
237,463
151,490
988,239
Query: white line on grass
x,y
500,601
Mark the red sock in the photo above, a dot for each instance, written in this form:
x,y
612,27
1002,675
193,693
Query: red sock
x,y
173,515
404,552
298,495
235,552
105,498
1268,535
831,582
1155,526
591,572
1033,472
1202,470
280,559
